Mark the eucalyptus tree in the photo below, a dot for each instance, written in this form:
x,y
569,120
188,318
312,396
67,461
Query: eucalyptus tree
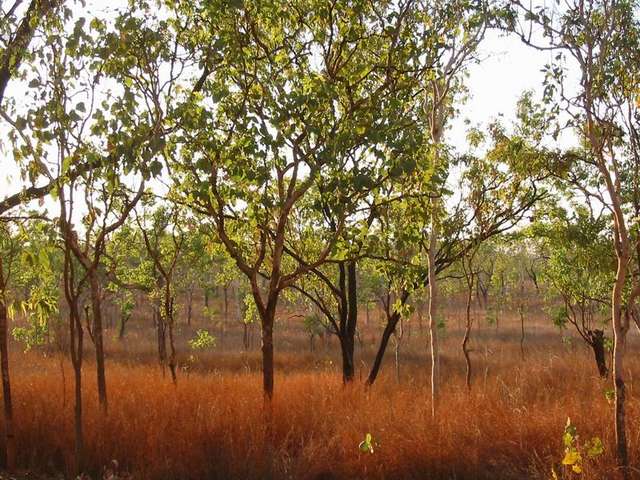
x,y
600,40
294,89
455,28
164,236
579,270
496,192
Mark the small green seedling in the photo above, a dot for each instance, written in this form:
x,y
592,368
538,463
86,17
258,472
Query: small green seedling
x,y
367,444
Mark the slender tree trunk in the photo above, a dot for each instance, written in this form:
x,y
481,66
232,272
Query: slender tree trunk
x,y
76,346
206,297
467,334
190,307
619,334
98,337
389,328
162,343
10,444
123,323
433,325
347,340
521,312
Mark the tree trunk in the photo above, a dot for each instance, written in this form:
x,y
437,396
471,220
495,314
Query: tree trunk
x,y
384,341
467,334
98,337
206,297
267,350
433,326
619,334
597,345
76,346
123,323
162,342
190,307
347,338
521,312
10,444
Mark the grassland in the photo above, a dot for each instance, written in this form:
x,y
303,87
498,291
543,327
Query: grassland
x,y
210,425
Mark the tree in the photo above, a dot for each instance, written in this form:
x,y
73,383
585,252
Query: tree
x,y
164,240
601,40
281,124
579,269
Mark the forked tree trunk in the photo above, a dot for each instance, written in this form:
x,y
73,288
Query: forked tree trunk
x,y
10,444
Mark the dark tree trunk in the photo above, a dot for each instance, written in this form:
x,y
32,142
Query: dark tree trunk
x,y
597,345
206,297
98,338
384,341
347,337
467,334
267,351
10,444
76,346
123,324
162,342
190,307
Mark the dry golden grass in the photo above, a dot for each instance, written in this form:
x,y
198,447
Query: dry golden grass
x,y
210,426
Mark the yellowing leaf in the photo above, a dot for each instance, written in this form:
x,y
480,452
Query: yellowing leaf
x,y
572,457
576,468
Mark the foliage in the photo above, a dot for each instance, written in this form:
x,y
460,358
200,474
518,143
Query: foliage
x,y
203,340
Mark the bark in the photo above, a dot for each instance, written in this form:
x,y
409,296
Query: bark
x,y
596,338
619,333
122,326
267,352
347,338
190,307
384,341
433,326
76,341
161,336
98,338
10,444
467,334
521,312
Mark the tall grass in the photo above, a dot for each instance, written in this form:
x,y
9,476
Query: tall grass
x,y
210,426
